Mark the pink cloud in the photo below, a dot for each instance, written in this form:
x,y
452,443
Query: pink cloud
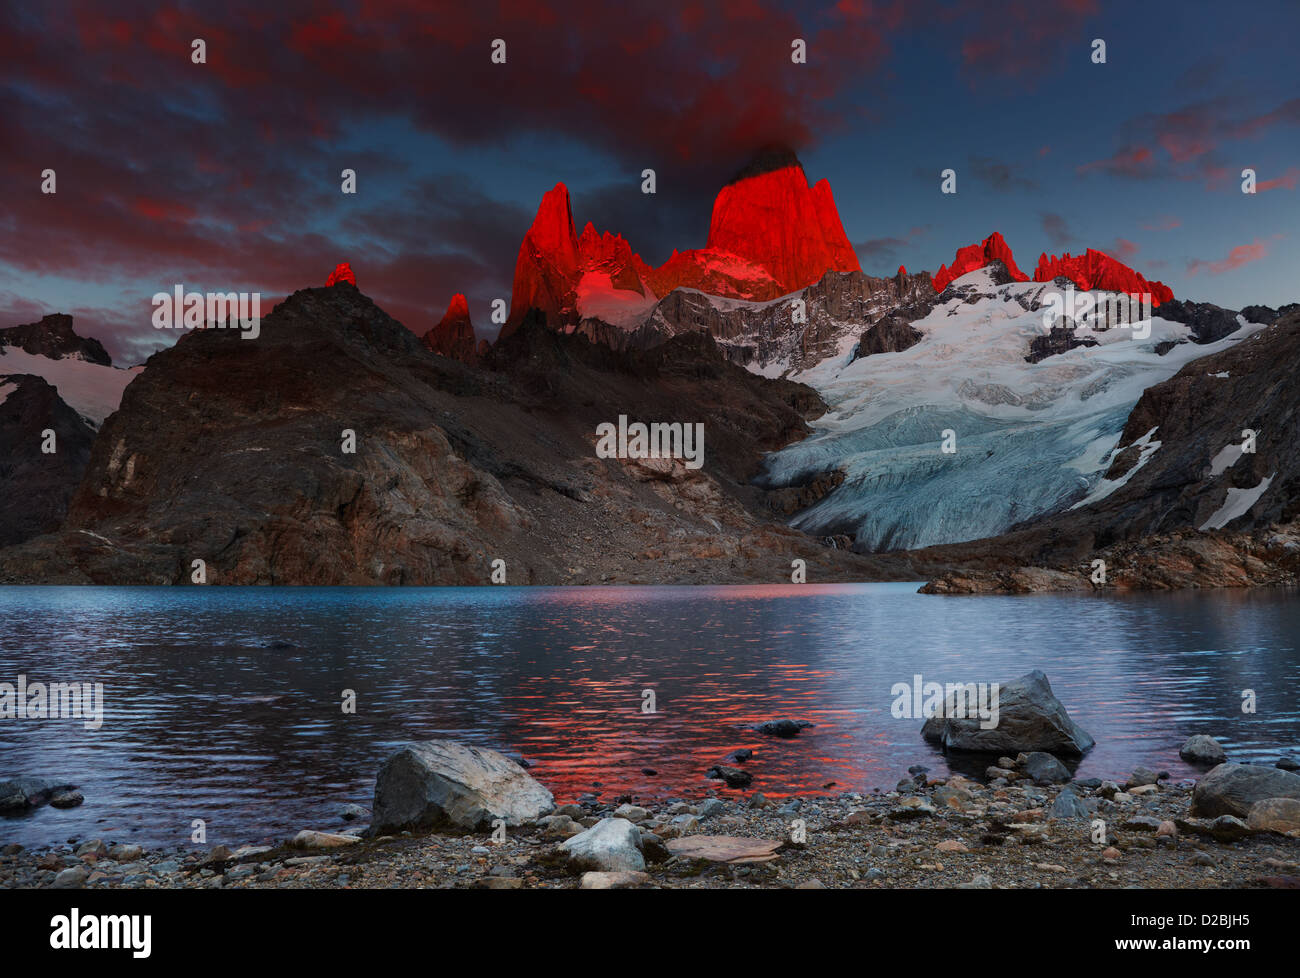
x,y
1238,256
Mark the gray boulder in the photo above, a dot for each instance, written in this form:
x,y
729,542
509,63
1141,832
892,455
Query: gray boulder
x,y
1202,749
1030,718
22,793
612,845
1233,789
1068,805
1275,815
1044,768
439,783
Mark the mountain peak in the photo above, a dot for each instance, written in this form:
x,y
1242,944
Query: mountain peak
x,y
454,335
546,270
773,219
1097,270
55,338
968,259
342,273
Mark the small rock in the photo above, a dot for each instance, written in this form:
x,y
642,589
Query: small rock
x,y
498,883
1043,768
710,807
782,728
310,839
1068,805
612,845
733,776
559,826
1202,749
1229,828
685,823
71,879
67,799
1140,776
219,854
624,880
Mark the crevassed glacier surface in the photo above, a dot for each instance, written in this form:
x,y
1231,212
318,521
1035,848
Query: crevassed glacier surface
x,y
1031,438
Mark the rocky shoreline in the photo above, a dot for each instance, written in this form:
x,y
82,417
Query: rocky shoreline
x,y
925,832
454,815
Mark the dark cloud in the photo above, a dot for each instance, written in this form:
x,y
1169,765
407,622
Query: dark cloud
x,y
999,176
877,250
1059,235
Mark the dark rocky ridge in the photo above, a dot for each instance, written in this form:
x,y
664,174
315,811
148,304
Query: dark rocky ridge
x,y
228,450
837,306
35,487
54,337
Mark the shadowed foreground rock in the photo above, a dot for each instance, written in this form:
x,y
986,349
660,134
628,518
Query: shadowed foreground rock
x,y
438,783
1030,718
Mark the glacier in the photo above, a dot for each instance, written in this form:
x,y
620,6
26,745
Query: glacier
x,y
1031,438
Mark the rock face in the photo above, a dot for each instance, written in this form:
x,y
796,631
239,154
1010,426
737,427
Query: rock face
x,y
1030,718
439,783
54,337
36,486
991,249
1097,270
546,271
1210,323
454,335
612,845
767,335
1234,789
342,273
770,217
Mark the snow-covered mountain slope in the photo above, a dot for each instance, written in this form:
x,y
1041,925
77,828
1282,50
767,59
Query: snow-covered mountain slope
x,y
91,389
1030,438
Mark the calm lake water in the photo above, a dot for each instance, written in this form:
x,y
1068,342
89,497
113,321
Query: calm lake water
x,y
205,719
